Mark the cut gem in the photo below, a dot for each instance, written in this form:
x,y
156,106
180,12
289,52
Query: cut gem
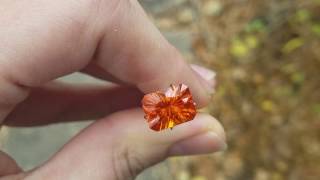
x,y
166,110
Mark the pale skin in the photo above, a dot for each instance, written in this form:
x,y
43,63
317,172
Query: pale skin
x,y
42,40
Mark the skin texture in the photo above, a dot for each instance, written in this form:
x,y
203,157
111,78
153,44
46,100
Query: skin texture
x,y
42,40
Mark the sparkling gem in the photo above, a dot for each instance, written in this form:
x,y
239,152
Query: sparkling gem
x,y
166,110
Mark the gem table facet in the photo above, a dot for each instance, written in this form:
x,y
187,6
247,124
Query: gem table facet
x,y
166,110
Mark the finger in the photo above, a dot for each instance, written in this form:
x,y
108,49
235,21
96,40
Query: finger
x,y
141,56
123,43
60,102
48,40
98,72
7,165
207,75
121,145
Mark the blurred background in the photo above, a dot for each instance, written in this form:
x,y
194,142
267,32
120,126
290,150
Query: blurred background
x,y
267,57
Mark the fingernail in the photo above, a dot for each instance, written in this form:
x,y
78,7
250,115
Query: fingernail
x,y
206,74
205,143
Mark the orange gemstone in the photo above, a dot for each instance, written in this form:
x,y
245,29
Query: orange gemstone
x,y
166,110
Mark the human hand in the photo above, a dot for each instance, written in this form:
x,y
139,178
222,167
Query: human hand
x,y
42,40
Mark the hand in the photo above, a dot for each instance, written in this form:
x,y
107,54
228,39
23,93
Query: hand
x,y
113,40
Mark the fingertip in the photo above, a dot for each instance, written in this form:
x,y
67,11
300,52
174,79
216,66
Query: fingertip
x,y
179,72
202,123
212,125
205,143
208,138
206,76
205,73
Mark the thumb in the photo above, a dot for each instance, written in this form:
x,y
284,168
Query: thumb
x,y
121,146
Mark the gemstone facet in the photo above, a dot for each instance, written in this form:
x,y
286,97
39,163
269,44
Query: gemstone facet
x,y
166,110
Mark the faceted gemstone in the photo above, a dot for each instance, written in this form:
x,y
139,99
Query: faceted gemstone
x,y
166,110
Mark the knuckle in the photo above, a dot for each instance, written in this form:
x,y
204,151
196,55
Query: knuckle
x,y
11,94
127,163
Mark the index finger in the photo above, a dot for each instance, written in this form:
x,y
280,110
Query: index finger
x,y
134,51
124,44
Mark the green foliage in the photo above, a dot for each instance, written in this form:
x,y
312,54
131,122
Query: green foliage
x,y
302,15
256,25
316,108
241,47
315,28
267,105
292,45
251,41
297,77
